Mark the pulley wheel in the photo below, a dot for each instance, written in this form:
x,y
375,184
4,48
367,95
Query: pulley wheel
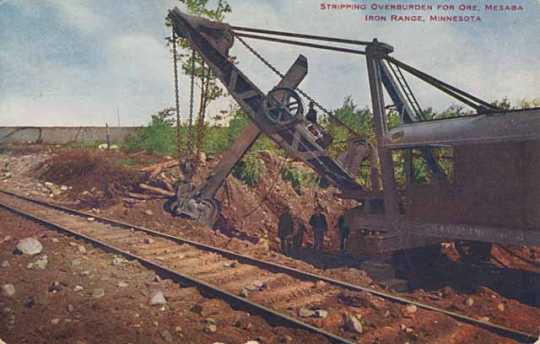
x,y
283,106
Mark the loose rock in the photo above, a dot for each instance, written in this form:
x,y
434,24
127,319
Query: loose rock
x,y
8,290
167,336
56,287
122,284
244,293
5,264
353,324
210,328
321,313
29,246
321,284
98,293
411,309
306,312
230,264
469,302
157,298
40,263
78,288
118,261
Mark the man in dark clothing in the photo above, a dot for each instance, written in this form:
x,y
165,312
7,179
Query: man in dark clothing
x,y
319,226
312,113
285,229
343,232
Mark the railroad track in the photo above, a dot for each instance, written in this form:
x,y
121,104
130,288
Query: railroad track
x,y
274,291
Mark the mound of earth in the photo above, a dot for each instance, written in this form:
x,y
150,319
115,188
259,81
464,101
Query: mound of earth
x,y
254,211
94,178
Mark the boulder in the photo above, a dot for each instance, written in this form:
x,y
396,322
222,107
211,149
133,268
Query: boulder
x,y
353,324
157,298
306,312
29,246
8,290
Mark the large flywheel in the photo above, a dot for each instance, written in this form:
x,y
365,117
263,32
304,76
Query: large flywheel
x,y
283,106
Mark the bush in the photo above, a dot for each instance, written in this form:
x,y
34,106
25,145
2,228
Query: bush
x,y
299,178
249,170
158,137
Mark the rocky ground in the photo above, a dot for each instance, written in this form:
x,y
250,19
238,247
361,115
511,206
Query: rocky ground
x,y
496,293
66,291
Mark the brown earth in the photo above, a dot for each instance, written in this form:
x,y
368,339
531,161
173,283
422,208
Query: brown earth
x,y
93,178
49,305
250,227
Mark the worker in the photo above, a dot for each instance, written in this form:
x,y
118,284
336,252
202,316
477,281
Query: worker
x,y
319,226
343,228
312,113
285,229
298,235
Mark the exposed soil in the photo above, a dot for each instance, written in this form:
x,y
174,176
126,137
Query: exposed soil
x,y
95,179
505,291
61,304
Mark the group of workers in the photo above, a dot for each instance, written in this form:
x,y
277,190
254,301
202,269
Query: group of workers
x,y
291,230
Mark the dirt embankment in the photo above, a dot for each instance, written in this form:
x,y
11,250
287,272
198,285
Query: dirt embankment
x,y
255,210
94,179
251,214
101,179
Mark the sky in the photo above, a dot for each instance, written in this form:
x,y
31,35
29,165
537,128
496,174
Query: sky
x,y
77,63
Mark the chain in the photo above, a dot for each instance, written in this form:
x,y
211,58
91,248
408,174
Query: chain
x,y
307,96
205,81
177,96
281,75
190,143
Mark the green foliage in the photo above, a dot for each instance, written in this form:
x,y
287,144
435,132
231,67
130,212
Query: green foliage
x,y
238,122
249,170
201,8
157,137
299,178
357,119
529,103
216,140
503,104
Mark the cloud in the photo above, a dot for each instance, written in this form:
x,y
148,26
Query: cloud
x,y
79,15
76,62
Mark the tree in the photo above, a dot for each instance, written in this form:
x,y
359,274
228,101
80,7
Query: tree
x,y
193,64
